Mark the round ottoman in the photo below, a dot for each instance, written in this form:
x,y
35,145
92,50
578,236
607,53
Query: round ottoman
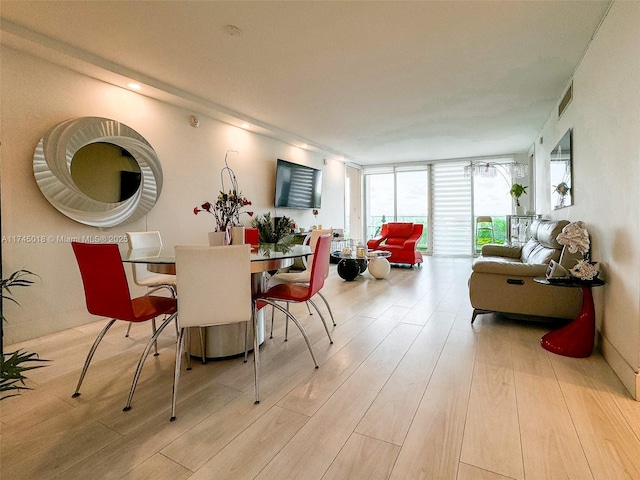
x,y
379,267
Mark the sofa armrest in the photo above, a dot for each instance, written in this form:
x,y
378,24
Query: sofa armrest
x,y
375,242
502,266
410,243
493,250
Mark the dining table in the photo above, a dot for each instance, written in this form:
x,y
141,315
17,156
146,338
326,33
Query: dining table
x,y
223,341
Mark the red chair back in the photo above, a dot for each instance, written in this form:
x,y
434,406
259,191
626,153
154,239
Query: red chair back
x,y
105,283
251,236
318,266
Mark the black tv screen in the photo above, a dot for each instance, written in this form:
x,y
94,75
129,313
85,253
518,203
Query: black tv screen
x,y
297,186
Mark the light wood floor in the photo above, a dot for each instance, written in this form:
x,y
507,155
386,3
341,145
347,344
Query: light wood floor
x,y
408,390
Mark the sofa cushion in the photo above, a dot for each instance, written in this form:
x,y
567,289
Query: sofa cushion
x,y
543,247
546,232
399,229
498,250
539,254
507,266
527,249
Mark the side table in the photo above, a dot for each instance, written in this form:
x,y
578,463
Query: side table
x,y
577,338
379,267
350,267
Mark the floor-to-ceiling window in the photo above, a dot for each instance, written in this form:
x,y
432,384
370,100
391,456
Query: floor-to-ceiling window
x,y
447,202
399,194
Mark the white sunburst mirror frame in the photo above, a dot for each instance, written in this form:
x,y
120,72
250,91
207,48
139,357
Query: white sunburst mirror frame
x,y
52,171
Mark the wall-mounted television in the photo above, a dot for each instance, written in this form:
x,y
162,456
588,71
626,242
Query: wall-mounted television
x,y
297,186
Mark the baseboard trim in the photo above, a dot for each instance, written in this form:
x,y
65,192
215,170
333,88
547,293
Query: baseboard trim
x,y
625,372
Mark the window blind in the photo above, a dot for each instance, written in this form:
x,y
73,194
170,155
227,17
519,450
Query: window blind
x,y
451,209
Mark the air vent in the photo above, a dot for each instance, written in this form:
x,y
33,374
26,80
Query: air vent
x,y
566,100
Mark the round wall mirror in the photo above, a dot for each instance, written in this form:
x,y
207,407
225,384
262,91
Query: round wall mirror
x,y
97,171
105,172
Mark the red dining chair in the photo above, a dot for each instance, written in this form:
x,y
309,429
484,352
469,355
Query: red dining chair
x,y
297,293
302,277
107,295
251,236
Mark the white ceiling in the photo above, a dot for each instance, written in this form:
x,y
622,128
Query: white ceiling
x,y
374,82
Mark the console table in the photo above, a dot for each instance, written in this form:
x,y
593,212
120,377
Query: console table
x,y
577,338
518,228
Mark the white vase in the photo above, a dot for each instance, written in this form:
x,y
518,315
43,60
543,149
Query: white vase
x,y
237,235
217,239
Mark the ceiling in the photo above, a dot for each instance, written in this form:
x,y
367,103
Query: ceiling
x,y
372,82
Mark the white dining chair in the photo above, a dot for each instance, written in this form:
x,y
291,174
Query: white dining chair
x,y
215,289
141,274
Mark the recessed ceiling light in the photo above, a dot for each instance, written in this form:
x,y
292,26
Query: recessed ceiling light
x,y
134,86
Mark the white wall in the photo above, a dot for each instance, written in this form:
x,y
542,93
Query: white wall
x,y
36,95
605,118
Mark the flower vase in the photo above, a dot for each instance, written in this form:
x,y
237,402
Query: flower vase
x,y
217,239
237,235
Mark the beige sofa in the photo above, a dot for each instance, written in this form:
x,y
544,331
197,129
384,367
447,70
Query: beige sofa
x,y
502,277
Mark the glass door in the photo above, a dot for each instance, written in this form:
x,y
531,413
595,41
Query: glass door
x,y
381,203
412,201
491,205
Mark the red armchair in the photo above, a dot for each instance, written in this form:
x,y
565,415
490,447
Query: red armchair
x,y
399,238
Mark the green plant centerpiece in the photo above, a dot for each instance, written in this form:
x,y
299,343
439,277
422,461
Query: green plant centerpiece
x,y
14,364
274,231
517,191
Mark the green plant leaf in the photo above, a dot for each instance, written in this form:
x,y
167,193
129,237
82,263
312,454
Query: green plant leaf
x,y
16,279
518,190
12,368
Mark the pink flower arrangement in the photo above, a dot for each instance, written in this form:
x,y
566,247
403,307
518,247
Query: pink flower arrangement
x,y
226,210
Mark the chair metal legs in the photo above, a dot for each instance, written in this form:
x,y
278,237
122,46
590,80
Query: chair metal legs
x,y
298,324
176,373
203,344
256,353
182,337
143,357
90,355
328,307
246,342
286,327
321,318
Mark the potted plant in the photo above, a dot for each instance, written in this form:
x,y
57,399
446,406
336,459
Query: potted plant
x,y
274,231
516,192
14,364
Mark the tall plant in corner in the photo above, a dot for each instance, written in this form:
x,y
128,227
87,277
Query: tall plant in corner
x,y
14,364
